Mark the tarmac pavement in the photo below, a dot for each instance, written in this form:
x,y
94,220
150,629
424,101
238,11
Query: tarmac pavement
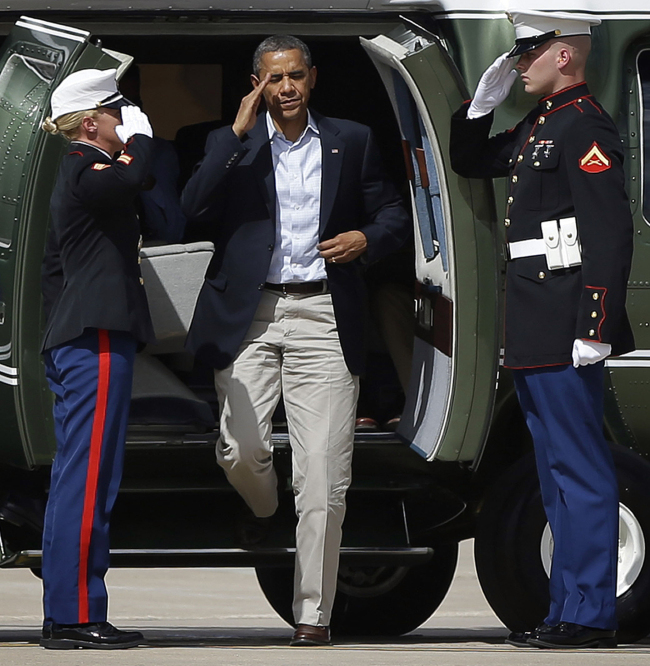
x,y
220,617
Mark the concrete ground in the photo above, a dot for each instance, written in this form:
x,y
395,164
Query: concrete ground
x,y
220,617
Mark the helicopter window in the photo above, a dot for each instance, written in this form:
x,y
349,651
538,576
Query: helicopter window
x,y
644,80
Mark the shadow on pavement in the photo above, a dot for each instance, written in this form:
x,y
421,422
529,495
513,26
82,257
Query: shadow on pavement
x,y
175,637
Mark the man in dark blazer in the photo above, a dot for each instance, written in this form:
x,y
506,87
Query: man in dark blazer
x,y
296,203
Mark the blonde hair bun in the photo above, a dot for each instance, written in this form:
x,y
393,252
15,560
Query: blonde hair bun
x,y
50,126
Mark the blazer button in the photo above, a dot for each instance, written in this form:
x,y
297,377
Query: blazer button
x,y
270,248
510,200
520,158
507,222
141,280
594,314
260,286
595,296
541,275
592,332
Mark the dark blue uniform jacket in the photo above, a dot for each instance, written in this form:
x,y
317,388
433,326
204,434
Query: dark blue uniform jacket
x,y
91,276
564,159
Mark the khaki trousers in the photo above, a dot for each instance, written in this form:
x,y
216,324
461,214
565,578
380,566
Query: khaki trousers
x,y
293,349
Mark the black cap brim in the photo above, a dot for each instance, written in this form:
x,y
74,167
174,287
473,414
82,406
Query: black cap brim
x,y
118,104
526,44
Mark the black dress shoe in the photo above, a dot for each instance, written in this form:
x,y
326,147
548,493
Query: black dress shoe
x,y
570,636
521,638
251,531
308,635
98,636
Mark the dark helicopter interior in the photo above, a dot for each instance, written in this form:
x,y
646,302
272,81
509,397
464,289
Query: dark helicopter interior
x,y
191,85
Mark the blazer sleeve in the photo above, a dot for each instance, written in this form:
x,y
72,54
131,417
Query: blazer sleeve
x,y
201,196
388,225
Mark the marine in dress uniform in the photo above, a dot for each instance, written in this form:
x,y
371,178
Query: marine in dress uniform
x,y
97,315
569,250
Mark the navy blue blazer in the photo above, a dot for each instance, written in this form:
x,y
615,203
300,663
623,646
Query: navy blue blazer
x,y
234,190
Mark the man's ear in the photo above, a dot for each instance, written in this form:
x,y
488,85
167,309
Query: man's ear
x,y
255,80
563,58
312,74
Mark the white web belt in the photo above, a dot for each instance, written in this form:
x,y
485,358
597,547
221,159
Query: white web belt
x,y
559,243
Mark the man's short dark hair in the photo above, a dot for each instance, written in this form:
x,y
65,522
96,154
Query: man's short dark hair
x,y
279,43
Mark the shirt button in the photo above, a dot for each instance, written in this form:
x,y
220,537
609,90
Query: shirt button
x,y
520,158
507,222
510,199
531,139
595,296
541,275
594,314
515,179
141,280
592,332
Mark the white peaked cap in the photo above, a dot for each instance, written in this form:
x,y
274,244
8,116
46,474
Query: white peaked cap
x,y
533,28
84,90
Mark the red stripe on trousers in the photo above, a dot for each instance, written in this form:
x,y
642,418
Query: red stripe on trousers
x,y
92,475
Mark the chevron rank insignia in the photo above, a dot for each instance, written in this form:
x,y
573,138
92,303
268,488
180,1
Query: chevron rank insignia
x,y
125,159
98,166
595,160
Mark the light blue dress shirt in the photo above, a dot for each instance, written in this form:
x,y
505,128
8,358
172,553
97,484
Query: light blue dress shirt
x,y
298,171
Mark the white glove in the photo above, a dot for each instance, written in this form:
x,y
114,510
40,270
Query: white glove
x,y
134,121
586,352
493,87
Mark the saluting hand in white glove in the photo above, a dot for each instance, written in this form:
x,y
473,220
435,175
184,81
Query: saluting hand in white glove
x,y
134,121
586,352
493,87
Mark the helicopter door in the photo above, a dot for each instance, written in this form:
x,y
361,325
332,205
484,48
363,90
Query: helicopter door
x,y
34,58
453,379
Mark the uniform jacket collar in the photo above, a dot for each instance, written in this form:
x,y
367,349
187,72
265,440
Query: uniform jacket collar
x,y
333,151
563,97
85,148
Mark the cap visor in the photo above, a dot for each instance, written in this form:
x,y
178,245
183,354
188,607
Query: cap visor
x,y
118,103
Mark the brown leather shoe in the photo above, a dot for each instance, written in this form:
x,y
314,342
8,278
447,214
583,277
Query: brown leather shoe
x,y
308,634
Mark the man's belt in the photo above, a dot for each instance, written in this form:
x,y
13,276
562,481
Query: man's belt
x,y
299,288
559,243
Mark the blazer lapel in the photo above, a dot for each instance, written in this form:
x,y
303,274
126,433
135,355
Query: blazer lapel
x,y
333,155
262,161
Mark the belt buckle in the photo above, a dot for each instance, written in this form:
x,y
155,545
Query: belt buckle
x,y
284,288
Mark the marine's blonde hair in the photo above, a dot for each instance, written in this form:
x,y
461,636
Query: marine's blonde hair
x,y
69,125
